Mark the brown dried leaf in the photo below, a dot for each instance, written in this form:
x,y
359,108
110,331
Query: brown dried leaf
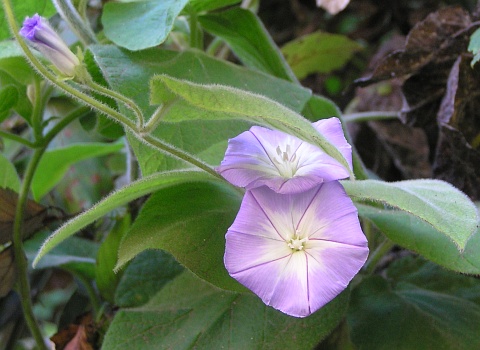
x,y
456,159
79,341
457,162
438,38
80,335
7,271
407,146
35,215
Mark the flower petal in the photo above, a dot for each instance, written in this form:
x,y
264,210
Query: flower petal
x,y
296,282
283,162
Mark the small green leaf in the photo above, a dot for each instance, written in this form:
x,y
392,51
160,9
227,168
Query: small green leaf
x,y
474,46
75,254
116,199
319,53
422,307
189,313
8,99
246,105
319,107
105,278
13,62
55,163
437,202
410,232
189,221
145,276
249,40
141,24
8,175
209,5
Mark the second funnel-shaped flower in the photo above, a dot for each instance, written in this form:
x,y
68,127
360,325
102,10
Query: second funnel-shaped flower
x,y
283,162
296,252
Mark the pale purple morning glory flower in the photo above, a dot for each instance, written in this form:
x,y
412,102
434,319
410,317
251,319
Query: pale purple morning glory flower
x,y
298,251
41,35
283,162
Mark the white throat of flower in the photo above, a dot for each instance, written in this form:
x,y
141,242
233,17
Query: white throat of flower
x,y
297,242
286,162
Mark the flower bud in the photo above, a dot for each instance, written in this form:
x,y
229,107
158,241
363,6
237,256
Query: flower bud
x,y
41,35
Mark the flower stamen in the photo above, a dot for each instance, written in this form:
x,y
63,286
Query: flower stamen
x,y
297,243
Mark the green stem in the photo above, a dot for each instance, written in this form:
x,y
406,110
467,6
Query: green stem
x,y
16,138
20,258
77,113
196,34
378,254
215,45
42,70
82,9
157,116
130,104
91,293
80,27
369,116
171,150
37,114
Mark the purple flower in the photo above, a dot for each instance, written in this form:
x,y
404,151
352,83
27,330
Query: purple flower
x,y
41,35
299,251
283,162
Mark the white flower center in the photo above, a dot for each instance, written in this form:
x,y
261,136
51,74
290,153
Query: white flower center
x,y
286,162
297,242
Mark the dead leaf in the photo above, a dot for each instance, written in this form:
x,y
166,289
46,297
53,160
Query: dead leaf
x,y
7,271
456,159
79,341
36,215
80,335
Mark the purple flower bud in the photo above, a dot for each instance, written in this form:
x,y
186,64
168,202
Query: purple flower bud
x,y
41,35
283,162
298,251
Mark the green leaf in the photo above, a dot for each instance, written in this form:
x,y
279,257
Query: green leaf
x,y
189,221
426,308
145,276
209,5
24,8
319,107
191,314
23,105
243,104
249,40
8,176
438,203
319,53
55,163
474,46
473,246
105,278
13,62
414,234
8,99
116,199
127,72
141,24
74,254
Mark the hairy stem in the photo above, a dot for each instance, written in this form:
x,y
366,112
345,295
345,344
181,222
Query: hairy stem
x,y
378,254
368,116
20,258
130,104
16,138
79,26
